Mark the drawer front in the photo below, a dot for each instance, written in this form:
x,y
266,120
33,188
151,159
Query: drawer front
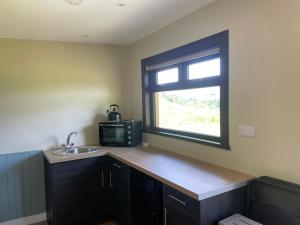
x,y
78,175
80,165
116,166
181,201
174,216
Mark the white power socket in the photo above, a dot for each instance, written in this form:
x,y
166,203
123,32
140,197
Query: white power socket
x,y
247,131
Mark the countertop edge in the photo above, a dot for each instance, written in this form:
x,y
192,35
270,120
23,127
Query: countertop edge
x,y
224,190
75,157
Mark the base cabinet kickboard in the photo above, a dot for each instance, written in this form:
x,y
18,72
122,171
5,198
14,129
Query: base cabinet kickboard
x,y
95,190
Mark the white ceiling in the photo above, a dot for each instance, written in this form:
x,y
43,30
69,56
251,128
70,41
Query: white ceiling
x,y
102,20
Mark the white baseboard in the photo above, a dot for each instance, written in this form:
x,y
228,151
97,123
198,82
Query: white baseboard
x,y
27,220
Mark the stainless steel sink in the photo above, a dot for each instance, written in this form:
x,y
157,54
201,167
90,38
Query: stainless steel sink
x,y
75,151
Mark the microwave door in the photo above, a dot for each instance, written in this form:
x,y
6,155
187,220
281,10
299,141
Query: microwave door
x,y
113,135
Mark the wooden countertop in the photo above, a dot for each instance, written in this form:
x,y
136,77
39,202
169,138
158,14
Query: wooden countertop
x,y
195,178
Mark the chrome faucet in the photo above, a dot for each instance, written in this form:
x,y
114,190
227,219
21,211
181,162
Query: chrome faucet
x,y
68,146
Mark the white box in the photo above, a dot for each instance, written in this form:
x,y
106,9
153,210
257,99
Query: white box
x,y
238,219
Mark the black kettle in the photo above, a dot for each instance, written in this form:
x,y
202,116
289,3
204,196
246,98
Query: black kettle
x,y
113,113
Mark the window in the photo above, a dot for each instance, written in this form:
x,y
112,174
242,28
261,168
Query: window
x,y
167,76
185,92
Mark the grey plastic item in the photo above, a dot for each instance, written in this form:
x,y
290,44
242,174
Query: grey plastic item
x,y
238,219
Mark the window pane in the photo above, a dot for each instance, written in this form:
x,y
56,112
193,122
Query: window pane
x,y
204,69
191,110
167,76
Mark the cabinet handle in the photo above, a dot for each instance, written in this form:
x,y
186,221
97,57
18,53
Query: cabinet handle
x,y
110,184
165,216
177,200
102,177
116,165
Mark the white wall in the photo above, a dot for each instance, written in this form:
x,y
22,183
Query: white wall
x,y
264,82
48,89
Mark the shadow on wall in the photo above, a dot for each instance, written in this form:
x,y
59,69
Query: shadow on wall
x,y
53,139
22,189
91,133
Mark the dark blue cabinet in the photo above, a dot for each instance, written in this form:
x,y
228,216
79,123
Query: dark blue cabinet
x,y
174,216
119,183
146,199
95,190
181,209
76,192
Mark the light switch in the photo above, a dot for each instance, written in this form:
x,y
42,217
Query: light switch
x,y
247,131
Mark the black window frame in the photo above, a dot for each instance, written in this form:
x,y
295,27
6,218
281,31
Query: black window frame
x,y
149,87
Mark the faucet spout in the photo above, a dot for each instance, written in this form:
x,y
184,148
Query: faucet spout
x,y
68,144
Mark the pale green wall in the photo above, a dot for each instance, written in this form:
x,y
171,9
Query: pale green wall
x,y
264,82
48,89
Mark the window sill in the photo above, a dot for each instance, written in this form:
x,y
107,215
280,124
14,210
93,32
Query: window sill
x,y
188,138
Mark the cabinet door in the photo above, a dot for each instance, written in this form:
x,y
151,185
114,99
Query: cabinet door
x,y
96,195
78,192
145,199
174,216
119,193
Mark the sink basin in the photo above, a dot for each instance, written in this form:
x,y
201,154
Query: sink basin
x,y
75,151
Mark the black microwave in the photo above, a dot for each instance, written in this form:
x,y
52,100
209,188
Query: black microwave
x,y
127,133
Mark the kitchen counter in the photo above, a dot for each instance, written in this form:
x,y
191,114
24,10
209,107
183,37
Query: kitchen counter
x,y
195,178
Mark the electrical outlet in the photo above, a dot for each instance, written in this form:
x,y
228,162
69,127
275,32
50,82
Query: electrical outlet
x,y
247,131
